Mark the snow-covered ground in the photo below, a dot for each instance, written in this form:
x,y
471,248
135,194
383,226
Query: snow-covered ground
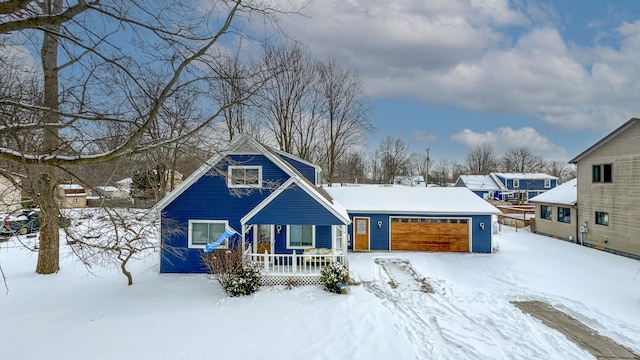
x,y
80,315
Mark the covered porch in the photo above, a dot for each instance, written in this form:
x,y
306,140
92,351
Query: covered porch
x,y
294,233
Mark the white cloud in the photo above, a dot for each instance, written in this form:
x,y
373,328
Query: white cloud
x,y
505,137
461,53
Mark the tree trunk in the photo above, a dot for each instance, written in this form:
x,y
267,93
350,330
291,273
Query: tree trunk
x,y
46,195
49,251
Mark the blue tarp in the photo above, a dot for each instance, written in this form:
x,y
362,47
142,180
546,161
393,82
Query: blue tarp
x,y
225,235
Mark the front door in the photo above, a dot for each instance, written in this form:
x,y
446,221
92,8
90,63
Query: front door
x,y
361,234
264,239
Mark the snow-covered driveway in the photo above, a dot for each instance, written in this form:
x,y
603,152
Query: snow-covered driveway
x,y
469,314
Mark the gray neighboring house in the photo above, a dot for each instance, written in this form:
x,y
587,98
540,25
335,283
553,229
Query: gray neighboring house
x,y
609,191
557,212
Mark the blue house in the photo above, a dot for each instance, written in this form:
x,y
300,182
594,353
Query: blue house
x,y
523,186
508,186
269,198
451,219
292,227
482,185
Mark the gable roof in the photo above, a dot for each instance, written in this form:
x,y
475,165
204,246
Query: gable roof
x,y
411,200
525,176
605,139
326,201
243,144
480,183
566,194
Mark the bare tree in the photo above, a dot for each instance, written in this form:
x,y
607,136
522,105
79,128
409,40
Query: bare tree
x,y
93,56
421,165
559,169
522,160
344,113
286,98
393,158
482,160
351,168
113,238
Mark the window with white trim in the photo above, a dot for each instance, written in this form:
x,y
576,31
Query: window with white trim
x,y
202,232
301,236
547,183
244,177
516,183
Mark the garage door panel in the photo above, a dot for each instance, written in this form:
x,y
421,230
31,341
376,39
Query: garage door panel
x,y
430,234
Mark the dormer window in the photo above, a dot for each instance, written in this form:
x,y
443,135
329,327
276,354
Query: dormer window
x,y
516,183
244,177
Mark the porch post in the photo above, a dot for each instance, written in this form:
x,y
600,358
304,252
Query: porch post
x,y
294,261
345,247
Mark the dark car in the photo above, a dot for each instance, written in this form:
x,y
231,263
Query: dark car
x,y
21,223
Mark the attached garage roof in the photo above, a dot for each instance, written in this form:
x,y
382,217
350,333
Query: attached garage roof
x,y
566,194
410,200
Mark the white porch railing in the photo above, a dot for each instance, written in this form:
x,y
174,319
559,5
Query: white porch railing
x,y
293,264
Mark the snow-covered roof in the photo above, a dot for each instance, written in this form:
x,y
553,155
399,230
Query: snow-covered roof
x,y
479,182
526,176
418,200
107,188
71,187
566,193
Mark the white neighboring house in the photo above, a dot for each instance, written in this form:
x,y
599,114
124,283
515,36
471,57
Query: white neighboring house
x,y
411,180
113,192
10,194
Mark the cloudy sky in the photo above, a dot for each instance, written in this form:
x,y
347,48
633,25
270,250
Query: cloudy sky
x,y
554,75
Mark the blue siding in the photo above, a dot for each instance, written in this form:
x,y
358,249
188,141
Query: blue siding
x,y
295,206
209,198
306,170
379,237
531,184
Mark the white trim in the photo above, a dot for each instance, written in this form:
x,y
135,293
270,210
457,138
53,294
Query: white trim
x,y
230,170
190,243
469,224
313,237
304,186
355,230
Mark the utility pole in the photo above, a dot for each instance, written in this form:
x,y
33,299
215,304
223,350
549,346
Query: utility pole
x,y
426,180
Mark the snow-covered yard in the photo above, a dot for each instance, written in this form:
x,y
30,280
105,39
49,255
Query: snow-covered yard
x,y
78,315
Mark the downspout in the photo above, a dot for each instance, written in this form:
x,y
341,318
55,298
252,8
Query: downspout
x,y
578,232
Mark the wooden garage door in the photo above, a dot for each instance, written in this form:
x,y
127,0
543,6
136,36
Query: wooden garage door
x,y
429,234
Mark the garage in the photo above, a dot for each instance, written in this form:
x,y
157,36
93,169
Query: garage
x,y
403,218
429,234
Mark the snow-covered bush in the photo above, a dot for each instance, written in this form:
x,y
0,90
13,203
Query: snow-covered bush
x,y
335,277
229,268
246,281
